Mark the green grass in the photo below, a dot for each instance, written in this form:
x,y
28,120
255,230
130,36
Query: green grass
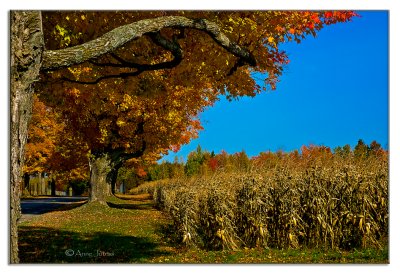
x,y
130,230
273,256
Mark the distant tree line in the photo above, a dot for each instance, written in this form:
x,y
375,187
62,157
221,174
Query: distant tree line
x,y
201,162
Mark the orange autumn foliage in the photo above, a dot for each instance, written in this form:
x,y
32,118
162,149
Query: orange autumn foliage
x,y
149,93
52,148
44,130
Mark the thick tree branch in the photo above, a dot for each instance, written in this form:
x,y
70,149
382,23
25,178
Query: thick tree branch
x,y
171,46
54,59
238,64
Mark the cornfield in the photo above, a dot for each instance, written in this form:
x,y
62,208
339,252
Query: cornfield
x,y
338,205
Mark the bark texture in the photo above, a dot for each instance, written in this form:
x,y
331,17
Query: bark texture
x,y
26,51
54,59
101,167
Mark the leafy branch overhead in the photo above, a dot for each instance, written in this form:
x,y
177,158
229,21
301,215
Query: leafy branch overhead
x,y
200,43
133,83
121,35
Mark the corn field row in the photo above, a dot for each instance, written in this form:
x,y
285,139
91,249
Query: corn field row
x,y
336,205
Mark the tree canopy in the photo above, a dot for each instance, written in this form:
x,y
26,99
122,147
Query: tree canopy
x,y
149,91
142,78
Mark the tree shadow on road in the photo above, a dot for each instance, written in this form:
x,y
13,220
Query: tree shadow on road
x,y
48,245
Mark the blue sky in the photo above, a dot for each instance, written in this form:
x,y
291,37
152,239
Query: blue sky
x,y
333,92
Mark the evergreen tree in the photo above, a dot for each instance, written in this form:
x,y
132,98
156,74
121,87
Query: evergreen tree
x,y
360,150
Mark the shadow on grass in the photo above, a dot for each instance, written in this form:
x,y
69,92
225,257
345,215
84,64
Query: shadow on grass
x,y
48,245
142,206
168,234
136,197
70,206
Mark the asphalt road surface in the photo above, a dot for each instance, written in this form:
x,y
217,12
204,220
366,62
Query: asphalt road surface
x,y
37,206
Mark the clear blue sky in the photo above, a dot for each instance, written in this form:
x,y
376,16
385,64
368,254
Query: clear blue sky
x,y
333,92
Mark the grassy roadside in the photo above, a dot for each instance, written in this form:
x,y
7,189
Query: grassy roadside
x,y
273,256
130,230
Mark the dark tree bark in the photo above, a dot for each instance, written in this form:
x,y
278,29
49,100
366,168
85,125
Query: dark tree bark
x,y
26,183
26,51
114,175
53,187
113,180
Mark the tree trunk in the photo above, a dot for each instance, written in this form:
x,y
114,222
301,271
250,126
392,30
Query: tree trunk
x,y
26,51
34,187
25,189
53,187
43,184
114,174
113,181
40,184
101,167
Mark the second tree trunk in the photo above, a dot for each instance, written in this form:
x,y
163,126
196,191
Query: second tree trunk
x,y
101,167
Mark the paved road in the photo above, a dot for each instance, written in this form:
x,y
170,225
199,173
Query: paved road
x,y
37,206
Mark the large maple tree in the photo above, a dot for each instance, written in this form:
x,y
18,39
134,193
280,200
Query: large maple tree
x,y
143,59
144,97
